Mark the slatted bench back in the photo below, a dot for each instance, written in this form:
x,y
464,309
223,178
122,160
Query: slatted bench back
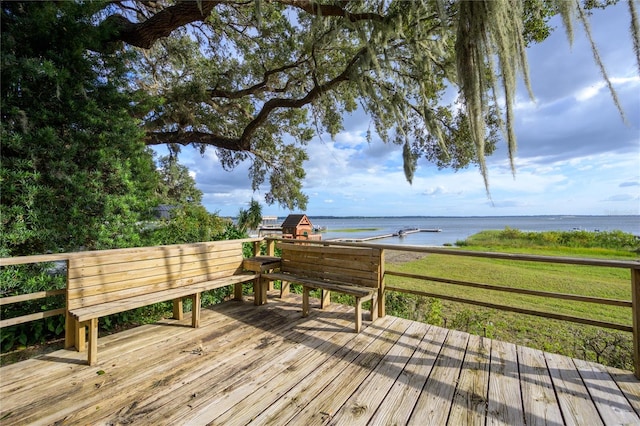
x,y
359,266
109,275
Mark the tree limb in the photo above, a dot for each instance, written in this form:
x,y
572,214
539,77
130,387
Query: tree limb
x,y
313,8
161,24
188,137
313,94
256,88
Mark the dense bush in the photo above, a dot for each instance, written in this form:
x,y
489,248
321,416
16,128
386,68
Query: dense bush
x,y
509,237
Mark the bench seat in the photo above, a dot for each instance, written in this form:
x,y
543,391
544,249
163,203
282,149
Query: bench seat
x,y
345,288
96,311
361,294
348,270
107,282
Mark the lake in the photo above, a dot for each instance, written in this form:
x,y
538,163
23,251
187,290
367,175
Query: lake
x,y
459,228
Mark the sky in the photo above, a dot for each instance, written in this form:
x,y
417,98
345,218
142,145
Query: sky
x,y
576,155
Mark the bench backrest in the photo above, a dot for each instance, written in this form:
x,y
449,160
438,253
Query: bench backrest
x,y
359,266
108,275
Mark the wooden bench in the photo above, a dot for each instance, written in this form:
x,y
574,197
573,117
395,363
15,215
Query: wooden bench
x,y
348,270
111,281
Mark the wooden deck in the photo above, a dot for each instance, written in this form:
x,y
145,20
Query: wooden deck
x,y
267,365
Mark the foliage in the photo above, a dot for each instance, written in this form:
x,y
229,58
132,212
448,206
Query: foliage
x,y
256,83
256,80
251,218
188,224
75,173
576,239
176,185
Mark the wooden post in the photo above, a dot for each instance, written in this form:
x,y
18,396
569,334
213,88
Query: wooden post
x,y
271,251
381,284
70,326
195,310
256,248
271,248
80,331
284,289
358,318
177,309
305,301
237,292
374,307
635,299
93,341
325,298
70,331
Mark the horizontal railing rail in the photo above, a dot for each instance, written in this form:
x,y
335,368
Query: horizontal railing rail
x,y
9,300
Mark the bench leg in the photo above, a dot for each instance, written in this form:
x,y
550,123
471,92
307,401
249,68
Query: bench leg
x,y
358,314
195,310
257,292
325,298
81,335
177,309
237,291
264,287
284,289
305,301
260,286
93,341
374,307
381,302
70,326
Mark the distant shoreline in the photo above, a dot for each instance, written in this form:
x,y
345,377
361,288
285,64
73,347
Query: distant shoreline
x,y
311,216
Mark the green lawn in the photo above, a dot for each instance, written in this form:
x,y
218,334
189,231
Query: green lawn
x,y
603,345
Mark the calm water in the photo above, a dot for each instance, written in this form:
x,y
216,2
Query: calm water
x,y
459,228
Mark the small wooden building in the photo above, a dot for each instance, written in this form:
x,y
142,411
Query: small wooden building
x,y
299,226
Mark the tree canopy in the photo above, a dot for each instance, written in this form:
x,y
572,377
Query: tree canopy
x,y
257,79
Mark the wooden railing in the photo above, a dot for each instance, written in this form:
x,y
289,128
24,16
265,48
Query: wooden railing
x,y
24,260
632,266
48,258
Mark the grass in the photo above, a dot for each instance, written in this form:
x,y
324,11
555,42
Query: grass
x,y
602,345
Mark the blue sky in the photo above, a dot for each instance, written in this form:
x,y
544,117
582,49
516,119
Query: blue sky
x,y
575,154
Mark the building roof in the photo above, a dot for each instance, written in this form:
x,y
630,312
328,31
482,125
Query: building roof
x,y
294,220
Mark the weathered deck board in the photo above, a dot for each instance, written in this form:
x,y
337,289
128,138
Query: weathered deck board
x,y
363,403
505,396
285,405
540,403
470,402
268,365
399,402
435,400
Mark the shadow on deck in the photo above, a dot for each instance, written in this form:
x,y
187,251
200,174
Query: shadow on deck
x,y
267,365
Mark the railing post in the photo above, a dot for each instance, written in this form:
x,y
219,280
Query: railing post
x,y
256,248
635,300
70,325
381,295
271,247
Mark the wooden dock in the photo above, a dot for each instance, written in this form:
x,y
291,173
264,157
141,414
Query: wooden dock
x,y
268,365
400,233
